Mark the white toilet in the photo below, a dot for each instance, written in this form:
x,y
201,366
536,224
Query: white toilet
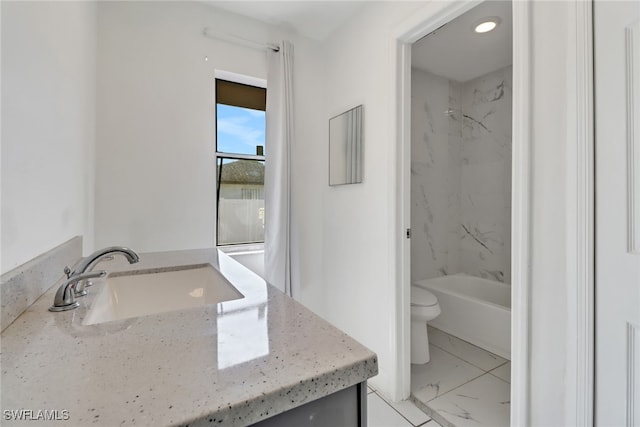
x,y
424,308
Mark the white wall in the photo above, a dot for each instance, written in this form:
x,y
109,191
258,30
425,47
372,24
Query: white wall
x,y
357,220
155,187
48,125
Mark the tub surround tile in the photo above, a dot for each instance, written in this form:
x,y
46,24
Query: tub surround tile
x,y
486,175
435,145
484,401
442,374
503,372
182,367
22,286
461,175
468,352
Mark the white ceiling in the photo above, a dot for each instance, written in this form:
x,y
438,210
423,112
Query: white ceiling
x,y
455,51
313,19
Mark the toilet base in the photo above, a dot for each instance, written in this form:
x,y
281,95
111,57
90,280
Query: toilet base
x,y
419,343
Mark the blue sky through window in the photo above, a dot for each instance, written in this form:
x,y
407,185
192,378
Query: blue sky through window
x,y
240,130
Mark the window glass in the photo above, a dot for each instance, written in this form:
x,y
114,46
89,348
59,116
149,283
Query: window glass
x,y
240,149
240,201
240,130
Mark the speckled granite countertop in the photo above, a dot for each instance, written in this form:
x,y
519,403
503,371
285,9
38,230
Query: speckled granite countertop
x,y
230,364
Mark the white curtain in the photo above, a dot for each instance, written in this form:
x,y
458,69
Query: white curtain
x,y
277,180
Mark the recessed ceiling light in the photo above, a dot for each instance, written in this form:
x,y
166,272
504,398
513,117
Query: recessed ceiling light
x,y
486,24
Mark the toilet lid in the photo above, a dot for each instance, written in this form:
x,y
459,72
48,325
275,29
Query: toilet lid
x,y
422,297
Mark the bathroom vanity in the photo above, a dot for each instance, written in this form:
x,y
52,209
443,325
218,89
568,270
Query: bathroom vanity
x,y
256,358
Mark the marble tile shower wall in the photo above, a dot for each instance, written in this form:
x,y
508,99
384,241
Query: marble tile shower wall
x,y
436,140
485,194
461,176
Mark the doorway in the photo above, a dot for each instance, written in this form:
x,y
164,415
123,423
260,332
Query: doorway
x,y
461,140
436,16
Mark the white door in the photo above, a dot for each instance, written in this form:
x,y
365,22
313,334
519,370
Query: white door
x,y
617,303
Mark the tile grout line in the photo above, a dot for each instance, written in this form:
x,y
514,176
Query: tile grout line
x,y
419,404
470,363
443,394
501,379
466,342
400,413
453,389
466,361
508,382
483,373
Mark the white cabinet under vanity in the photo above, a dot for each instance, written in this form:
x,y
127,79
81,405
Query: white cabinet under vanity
x,y
183,338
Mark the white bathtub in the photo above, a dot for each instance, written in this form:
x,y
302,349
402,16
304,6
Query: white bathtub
x,y
473,309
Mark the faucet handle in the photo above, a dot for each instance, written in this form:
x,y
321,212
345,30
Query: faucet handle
x,y
64,299
79,288
91,275
67,271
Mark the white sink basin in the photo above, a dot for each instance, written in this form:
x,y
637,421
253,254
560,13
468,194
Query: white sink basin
x,y
142,292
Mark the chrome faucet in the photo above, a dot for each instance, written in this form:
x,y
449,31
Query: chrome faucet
x,y
90,261
65,299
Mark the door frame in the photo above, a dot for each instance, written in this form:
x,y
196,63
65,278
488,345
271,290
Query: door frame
x,y
580,188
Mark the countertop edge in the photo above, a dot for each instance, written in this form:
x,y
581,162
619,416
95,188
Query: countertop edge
x,y
317,387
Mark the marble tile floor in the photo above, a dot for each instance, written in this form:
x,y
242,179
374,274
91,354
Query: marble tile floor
x,y
462,385
382,413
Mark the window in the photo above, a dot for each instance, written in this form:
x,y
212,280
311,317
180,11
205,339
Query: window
x,y
240,149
